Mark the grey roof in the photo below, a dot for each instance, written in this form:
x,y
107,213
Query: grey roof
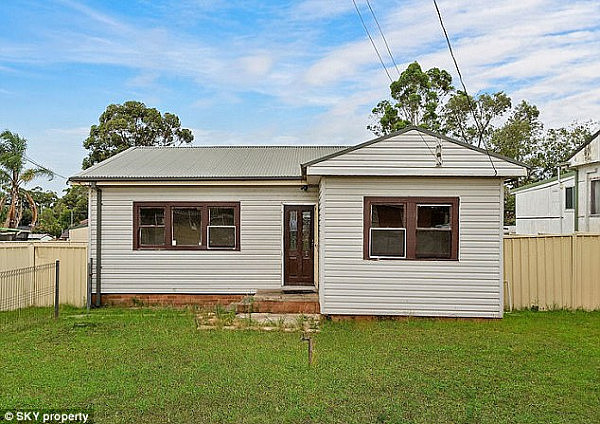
x,y
206,163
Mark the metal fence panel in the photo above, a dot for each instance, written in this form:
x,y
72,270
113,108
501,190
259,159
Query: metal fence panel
x,y
73,264
552,272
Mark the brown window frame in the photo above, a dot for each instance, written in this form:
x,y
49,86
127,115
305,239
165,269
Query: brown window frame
x,y
410,211
594,208
168,206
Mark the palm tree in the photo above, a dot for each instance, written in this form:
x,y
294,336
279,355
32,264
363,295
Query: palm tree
x,y
14,175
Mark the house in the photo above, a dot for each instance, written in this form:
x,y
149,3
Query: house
x,y
546,207
79,232
585,161
40,237
406,224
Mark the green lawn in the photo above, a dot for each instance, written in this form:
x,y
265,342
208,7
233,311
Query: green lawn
x,y
153,366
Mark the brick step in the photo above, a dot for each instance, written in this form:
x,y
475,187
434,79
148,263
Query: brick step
x,y
280,303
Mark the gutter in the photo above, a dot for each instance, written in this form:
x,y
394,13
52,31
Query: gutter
x,y
98,244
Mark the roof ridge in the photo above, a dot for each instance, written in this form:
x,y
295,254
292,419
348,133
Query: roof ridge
x,y
261,146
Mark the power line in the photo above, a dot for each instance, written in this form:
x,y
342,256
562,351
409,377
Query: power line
x,y
28,159
439,14
383,37
371,38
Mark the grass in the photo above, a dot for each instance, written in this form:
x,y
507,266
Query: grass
x,y
152,365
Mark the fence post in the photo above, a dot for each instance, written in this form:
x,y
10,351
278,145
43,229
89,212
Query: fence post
x,y
56,285
89,283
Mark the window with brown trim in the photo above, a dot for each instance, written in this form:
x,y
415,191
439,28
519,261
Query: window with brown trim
x,y
417,228
186,225
595,197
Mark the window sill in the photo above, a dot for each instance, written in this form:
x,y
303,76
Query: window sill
x,y
187,249
413,259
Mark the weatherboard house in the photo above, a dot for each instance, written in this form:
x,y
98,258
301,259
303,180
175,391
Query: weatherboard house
x,y
406,224
567,203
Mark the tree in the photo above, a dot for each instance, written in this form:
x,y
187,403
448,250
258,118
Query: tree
x,y
558,144
418,98
42,200
132,124
14,176
520,135
472,119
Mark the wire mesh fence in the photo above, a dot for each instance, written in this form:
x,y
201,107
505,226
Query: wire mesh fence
x,y
28,295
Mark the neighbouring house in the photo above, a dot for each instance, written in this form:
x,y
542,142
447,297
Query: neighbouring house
x,y
40,237
79,232
546,207
585,161
406,224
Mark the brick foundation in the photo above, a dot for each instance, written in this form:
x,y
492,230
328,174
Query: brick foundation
x,y
207,300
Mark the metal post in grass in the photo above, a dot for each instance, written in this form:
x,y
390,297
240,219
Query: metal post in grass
x,y
89,283
56,285
309,341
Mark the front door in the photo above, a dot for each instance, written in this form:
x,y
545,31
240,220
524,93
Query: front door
x,y
298,242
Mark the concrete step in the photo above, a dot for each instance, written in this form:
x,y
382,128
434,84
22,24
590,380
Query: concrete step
x,y
280,303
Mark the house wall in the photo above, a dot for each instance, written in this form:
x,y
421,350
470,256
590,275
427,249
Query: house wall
x,y
470,287
588,223
538,209
258,264
414,154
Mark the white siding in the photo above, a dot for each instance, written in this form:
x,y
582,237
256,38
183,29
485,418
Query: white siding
x,y
540,210
413,154
589,154
470,287
588,223
256,266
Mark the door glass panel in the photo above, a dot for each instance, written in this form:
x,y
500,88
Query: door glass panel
x,y
306,215
293,230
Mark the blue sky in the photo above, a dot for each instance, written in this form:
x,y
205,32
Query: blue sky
x,y
274,72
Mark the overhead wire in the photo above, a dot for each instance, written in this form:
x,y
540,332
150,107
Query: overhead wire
x,y
372,42
387,46
462,82
28,159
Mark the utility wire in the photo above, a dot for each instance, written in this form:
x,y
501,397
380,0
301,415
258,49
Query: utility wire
x,y
28,159
371,38
383,37
439,14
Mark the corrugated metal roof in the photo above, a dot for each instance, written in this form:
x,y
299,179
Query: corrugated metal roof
x,y
197,163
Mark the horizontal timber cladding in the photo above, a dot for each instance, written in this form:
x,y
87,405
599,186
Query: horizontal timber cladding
x,y
413,154
469,287
257,265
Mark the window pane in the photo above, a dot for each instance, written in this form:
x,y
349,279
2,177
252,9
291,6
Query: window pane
x,y
431,216
387,216
388,242
221,237
152,216
187,228
221,216
152,236
569,198
434,244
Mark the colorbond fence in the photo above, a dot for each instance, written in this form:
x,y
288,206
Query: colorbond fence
x,y
73,265
552,272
